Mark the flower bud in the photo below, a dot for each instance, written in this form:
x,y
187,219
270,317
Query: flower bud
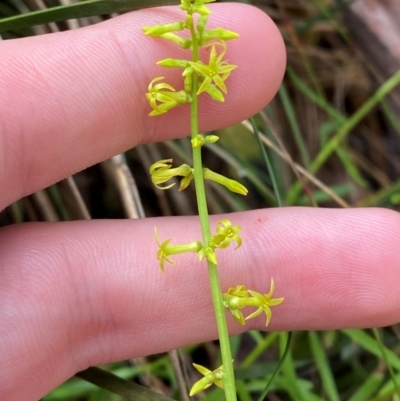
x,y
186,181
196,7
201,23
218,33
159,30
211,138
172,62
215,93
232,185
209,253
189,21
182,42
200,140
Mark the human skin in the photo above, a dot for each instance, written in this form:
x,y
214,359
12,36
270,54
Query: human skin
x,y
79,294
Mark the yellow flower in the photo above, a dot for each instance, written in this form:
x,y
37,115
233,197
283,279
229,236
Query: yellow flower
x,y
163,97
165,250
210,377
216,72
240,297
226,233
265,302
161,172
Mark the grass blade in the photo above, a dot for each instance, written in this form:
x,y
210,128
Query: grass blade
x,y
267,162
77,10
323,366
294,124
365,341
345,129
126,389
278,368
378,339
369,387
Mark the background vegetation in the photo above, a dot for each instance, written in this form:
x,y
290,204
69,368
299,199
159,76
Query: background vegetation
x,y
333,137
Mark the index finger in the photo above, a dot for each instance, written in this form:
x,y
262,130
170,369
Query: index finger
x,y
72,99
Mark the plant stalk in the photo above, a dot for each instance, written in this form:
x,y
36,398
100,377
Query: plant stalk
x,y
219,309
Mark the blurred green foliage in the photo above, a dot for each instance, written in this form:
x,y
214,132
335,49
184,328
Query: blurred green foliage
x,y
331,115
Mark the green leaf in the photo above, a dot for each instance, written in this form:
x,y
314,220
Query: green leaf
x,y
88,8
322,362
368,388
129,390
365,341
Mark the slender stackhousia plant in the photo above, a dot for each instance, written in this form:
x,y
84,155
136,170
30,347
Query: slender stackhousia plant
x,y
199,77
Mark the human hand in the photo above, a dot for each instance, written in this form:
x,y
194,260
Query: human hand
x,y
85,293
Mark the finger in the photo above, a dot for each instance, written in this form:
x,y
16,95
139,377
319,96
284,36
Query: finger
x,y
80,294
72,99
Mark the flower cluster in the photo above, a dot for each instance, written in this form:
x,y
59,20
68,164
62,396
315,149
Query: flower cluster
x,y
225,234
212,75
239,297
162,171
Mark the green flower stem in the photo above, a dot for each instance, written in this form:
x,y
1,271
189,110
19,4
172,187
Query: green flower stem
x,y
177,249
238,303
229,379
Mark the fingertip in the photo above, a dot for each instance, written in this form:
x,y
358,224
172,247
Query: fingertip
x,y
383,235
88,86
259,54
